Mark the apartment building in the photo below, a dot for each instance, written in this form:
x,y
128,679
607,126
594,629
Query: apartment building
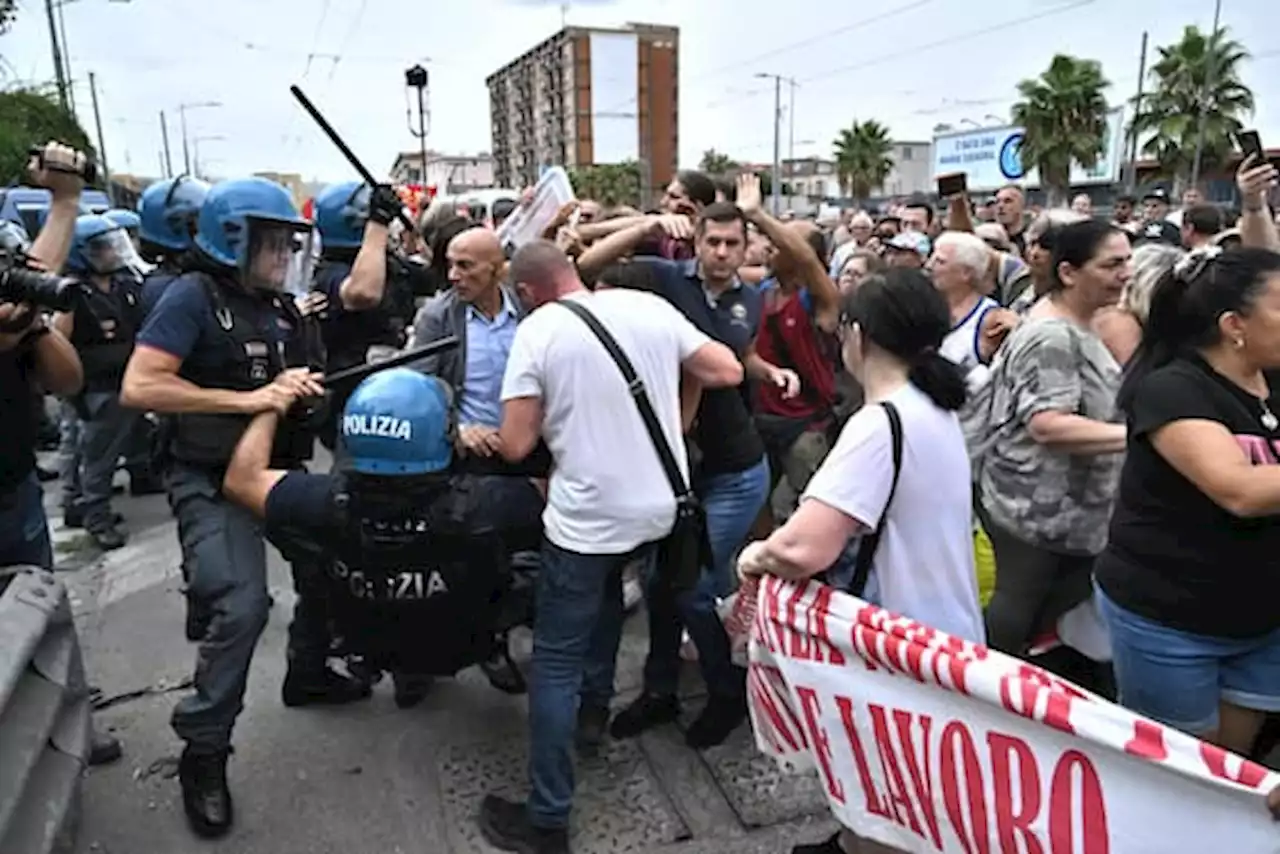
x,y
588,96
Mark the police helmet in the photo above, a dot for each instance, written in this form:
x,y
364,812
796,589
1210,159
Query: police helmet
x,y
128,220
341,213
168,211
99,246
396,422
230,211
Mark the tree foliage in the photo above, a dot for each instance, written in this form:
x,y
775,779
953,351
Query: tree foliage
x,y
31,117
608,183
1170,114
863,158
715,163
1063,115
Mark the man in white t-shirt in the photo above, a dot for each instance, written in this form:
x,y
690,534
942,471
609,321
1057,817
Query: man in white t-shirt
x,y
608,502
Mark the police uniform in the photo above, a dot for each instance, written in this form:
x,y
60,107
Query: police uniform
x,y
106,322
348,335
227,338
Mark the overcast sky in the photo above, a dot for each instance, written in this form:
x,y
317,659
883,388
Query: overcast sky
x,y
908,63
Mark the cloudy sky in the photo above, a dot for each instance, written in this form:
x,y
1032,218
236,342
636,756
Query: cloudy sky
x,y
909,63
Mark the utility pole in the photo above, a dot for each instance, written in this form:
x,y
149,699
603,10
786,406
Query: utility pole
x,y
164,135
1132,183
66,57
775,180
102,147
57,56
1204,95
791,118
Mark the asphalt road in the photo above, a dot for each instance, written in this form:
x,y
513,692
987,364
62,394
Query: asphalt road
x,y
371,778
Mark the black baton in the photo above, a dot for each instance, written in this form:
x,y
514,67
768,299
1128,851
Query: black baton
x,y
359,372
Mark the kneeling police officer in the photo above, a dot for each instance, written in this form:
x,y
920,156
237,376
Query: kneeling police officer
x,y
416,554
223,343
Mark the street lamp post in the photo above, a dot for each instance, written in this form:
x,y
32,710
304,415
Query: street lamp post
x,y
416,78
182,118
62,51
195,150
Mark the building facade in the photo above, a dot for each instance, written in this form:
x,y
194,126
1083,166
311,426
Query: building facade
x,y
448,173
588,96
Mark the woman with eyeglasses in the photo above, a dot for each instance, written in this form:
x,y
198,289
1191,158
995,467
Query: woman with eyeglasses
x,y
1186,579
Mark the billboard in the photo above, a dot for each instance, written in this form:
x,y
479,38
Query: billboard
x,y
615,96
989,156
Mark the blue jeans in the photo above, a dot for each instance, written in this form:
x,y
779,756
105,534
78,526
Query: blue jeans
x,y
24,530
1179,678
575,648
732,503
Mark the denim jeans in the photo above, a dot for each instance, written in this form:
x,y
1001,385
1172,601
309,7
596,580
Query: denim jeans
x,y
732,503
24,530
575,648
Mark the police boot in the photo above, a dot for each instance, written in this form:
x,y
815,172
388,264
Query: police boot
x,y
144,483
321,686
205,796
108,537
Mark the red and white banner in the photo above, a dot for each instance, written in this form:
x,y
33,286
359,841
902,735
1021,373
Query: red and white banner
x,y
927,743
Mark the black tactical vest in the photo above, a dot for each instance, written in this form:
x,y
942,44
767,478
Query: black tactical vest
x,y
414,589
348,335
260,335
106,324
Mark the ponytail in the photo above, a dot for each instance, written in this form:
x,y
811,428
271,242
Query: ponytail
x,y
940,379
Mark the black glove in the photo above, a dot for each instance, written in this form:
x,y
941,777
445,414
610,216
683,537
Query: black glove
x,y
384,204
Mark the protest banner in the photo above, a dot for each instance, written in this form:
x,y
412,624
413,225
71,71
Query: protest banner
x,y
924,742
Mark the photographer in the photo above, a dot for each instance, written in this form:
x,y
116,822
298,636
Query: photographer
x,y
33,352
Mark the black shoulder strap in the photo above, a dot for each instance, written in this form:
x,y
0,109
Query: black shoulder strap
x,y
871,539
636,386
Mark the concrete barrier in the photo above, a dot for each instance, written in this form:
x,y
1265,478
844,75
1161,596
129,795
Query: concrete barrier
x,y
44,715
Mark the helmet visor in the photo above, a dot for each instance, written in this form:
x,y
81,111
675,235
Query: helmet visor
x,y
110,252
274,256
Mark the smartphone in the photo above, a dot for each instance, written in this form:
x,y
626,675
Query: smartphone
x,y
952,184
1250,143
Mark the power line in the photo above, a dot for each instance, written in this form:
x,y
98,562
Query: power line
x,y
950,40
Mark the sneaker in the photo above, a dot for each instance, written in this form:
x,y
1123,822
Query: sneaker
x,y
323,687
206,799
505,825
717,721
647,712
593,725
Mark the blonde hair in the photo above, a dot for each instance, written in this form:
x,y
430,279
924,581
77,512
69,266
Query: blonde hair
x,y
1151,263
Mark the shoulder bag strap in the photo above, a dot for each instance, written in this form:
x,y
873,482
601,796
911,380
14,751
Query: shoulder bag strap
x,y
871,539
636,386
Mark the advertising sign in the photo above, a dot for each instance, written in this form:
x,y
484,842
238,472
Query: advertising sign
x,y
990,157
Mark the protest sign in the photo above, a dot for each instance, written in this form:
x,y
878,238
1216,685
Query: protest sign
x,y
924,742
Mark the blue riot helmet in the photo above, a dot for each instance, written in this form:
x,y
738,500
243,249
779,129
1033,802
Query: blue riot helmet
x,y
396,422
168,211
128,220
251,225
341,213
99,247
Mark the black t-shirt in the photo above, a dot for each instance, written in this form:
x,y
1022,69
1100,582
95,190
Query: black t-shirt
x,y
1174,556
17,402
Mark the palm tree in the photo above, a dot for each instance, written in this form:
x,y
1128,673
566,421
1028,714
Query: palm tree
x,y
1063,115
863,161
1170,114
715,163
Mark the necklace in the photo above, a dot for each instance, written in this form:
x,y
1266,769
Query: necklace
x,y
1268,417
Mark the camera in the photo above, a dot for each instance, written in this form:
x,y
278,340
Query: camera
x,y
19,283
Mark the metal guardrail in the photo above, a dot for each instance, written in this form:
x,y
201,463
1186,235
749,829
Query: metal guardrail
x,y
44,715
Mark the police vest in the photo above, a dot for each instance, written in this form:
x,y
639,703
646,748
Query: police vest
x,y
259,335
415,590
106,324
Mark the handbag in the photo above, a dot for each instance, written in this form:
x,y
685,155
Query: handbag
x,y
686,549
871,539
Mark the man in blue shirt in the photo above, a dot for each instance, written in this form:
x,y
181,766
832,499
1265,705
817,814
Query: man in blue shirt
x,y
223,344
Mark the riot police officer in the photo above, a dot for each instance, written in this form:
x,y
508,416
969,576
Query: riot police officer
x,y
366,284
224,343
167,215
102,327
131,223
411,537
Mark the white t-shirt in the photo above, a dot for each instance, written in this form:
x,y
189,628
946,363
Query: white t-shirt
x,y
923,568
608,493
